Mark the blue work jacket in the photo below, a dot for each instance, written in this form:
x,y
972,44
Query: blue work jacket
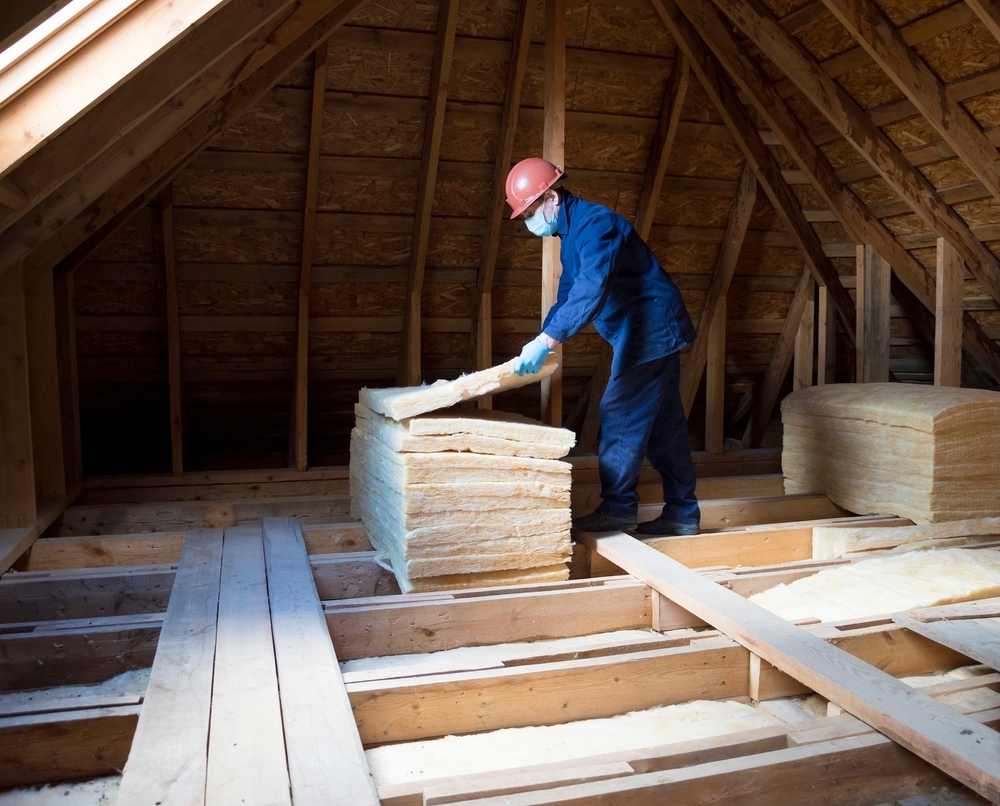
x,y
611,278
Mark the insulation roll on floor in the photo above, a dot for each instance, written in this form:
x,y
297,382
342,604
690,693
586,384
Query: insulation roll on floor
x,y
921,452
458,501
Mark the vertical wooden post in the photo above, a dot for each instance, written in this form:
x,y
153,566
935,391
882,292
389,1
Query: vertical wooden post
x,y
69,384
715,381
948,310
554,150
173,335
17,472
802,366
299,430
826,339
874,277
43,381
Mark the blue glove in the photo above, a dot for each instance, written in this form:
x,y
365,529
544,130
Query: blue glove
x,y
532,356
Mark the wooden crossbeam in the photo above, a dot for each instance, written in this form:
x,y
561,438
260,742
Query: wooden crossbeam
x,y
860,130
950,288
722,275
481,334
168,763
325,761
711,73
883,42
959,746
409,370
299,424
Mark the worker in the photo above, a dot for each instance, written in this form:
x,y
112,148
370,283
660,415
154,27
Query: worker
x,y
611,278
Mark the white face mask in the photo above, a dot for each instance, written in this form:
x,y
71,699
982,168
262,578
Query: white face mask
x,y
541,225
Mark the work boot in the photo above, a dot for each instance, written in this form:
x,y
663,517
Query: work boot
x,y
662,527
598,521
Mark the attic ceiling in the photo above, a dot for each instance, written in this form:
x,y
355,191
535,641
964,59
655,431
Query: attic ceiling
x,y
176,197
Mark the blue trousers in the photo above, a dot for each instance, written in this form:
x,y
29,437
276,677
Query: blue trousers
x,y
642,416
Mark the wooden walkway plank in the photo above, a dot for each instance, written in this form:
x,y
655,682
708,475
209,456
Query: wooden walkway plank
x,y
175,714
957,745
973,637
246,748
326,762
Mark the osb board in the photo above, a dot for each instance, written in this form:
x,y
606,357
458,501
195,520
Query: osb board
x,y
697,106
237,299
237,343
382,70
961,52
757,305
280,117
705,160
903,11
782,8
769,261
985,109
337,246
869,86
237,244
831,232
982,211
105,297
905,225
267,190
362,133
947,173
689,210
826,38
517,301
466,198
136,239
626,27
685,258
912,132
805,111
118,342
360,299
872,190
840,153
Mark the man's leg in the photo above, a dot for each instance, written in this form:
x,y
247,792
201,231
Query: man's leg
x,y
628,410
669,452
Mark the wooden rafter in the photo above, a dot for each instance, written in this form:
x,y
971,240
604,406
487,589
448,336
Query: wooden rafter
x,y
481,333
69,385
106,159
649,197
859,129
849,209
716,83
989,12
174,373
715,381
873,299
298,428
69,243
883,42
554,150
722,275
409,358
950,285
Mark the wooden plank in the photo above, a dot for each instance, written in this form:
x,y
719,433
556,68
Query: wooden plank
x,y
872,356
957,745
553,150
973,637
299,425
349,575
715,381
481,334
861,131
55,553
246,748
409,371
174,375
424,623
781,359
167,763
17,476
69,384
948,309
984,608
722,275
826,340
325,761
802,371
883,42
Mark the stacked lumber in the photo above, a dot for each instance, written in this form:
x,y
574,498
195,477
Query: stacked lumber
x,y
924,453
458,500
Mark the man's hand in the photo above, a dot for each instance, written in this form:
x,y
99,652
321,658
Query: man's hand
x,y
532,357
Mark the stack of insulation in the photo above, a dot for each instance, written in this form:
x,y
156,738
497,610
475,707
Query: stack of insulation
x,y
921,452
456,500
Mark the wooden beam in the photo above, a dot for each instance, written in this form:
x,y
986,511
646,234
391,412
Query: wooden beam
x,y
874,299
715,381
17,473
174,374
246,747
950,286
722,275
883,42
168,762
299,425
409,370
955,744
69,383
826,340
326,763
712,74
860,130
113,182
802,372
481,334
554,150
777,369
989,12
43,377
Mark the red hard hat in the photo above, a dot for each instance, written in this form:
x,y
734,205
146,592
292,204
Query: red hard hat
x,y
528,180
